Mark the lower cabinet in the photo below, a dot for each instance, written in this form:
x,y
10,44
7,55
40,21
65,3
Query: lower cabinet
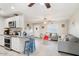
x,y
2,40
17,44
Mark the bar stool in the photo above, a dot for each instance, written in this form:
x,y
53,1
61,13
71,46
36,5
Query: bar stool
x,y
32,45
27,47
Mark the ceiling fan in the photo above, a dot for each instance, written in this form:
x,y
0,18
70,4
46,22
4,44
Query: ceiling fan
x,y
46,4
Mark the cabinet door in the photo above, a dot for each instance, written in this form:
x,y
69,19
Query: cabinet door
x,y
2,40
20,21
6,22
16,45
17,21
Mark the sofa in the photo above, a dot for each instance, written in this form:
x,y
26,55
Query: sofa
x,y
70,45
53,37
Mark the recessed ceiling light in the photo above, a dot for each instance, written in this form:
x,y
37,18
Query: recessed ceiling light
x,y
45,22
12,7
42,3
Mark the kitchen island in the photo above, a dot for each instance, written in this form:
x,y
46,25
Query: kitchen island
x,y
16,42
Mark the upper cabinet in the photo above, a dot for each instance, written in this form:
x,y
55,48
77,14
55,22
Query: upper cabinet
x,y
17,21
6,22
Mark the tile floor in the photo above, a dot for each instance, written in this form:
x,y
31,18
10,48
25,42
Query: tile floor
x,y
48,49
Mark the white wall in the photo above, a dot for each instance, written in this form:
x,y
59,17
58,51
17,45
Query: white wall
x,y
63,30
54,27
2,22
74,25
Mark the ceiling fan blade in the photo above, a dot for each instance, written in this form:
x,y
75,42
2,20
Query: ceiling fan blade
x,y
31,4
47,5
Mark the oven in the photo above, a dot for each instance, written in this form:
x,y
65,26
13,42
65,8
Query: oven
x,y
7,42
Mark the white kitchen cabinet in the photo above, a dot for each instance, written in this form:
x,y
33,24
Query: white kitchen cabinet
x,y
17,44
6,22
2,40
19,21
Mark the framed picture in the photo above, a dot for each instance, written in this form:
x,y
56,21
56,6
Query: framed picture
x,y
63,25
27,25
42,27
36,28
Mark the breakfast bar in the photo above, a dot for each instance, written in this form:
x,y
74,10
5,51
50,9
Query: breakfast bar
x,y
15,43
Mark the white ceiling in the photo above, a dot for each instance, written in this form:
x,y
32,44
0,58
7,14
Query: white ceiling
x,y
58,11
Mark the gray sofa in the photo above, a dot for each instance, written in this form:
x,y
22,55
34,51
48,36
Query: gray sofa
x,y
70,45
54,37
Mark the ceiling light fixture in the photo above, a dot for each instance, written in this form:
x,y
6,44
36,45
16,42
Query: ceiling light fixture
x,y
42,3
45,22
12,7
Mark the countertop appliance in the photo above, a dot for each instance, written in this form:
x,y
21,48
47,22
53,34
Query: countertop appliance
x,y
24,34
12,24
7,42
18,33
6,31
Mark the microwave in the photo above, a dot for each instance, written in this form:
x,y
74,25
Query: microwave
x,y
12,24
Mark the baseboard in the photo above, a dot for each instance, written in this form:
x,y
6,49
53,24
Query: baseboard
x,y
68,53
16,51
1,46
